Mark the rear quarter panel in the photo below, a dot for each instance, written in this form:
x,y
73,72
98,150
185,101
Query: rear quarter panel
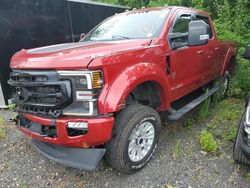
x,y
229,50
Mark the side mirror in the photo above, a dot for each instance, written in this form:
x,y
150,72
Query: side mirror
x,y
247,53
198,33
82,35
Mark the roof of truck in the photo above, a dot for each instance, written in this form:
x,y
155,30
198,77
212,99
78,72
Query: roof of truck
x,y
169,7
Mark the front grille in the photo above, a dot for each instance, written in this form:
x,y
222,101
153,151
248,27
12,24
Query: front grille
x,y
40,111
22,78
40,92
25,77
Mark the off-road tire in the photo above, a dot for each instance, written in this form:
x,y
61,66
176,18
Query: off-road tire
x,y
237,152
126,121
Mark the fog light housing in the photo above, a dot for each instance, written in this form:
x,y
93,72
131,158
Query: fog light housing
x,y
78,125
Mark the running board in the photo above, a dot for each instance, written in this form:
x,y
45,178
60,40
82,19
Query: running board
x,y
179,113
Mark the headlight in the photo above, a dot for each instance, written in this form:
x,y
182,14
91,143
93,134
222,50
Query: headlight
x,y
86,86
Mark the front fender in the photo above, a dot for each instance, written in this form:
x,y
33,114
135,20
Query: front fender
x,y
128,80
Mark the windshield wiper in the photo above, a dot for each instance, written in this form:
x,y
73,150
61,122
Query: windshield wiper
x,y
119,36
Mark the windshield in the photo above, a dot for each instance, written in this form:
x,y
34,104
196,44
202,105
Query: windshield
x,y
131,25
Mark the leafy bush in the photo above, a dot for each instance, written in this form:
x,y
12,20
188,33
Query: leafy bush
x,y
207,141
241,82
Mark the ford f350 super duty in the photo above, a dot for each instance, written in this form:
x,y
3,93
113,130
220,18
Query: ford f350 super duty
x,y
107,94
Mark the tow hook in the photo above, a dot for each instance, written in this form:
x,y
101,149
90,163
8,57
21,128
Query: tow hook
x,y
15,120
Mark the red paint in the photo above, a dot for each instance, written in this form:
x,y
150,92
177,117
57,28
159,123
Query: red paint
x,y
99,131
125,65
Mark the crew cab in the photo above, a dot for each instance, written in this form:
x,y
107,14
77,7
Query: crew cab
x,y
108,93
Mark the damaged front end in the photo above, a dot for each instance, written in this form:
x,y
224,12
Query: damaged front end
x,y
58,110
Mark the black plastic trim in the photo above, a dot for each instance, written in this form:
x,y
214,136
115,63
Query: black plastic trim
x,y
80,158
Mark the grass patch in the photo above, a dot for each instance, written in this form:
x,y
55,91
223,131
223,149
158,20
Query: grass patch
x,y
11,106
169,186
2,133
176,150
2,129
207,141
189,123
248,176
226,117
1,120
203,113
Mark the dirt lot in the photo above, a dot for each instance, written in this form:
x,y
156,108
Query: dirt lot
x,y
178,162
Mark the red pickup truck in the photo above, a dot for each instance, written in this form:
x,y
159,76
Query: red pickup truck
x,y
105,93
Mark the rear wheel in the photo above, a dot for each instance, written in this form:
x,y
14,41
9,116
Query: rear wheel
x,y
223,84
225,81
237,153
135,137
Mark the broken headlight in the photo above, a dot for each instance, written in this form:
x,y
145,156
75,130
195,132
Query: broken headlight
x,y
86,86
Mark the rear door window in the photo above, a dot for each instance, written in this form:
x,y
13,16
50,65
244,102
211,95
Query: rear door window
x,y
206,20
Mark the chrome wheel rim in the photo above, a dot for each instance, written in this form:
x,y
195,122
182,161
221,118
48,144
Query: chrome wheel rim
x,y
141,141
225,85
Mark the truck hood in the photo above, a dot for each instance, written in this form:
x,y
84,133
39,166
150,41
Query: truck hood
x,y
71,55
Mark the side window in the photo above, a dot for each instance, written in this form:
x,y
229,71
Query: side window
x,y
206,20
178,36
181,25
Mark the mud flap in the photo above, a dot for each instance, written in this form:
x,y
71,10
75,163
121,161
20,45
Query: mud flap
x,y
86,159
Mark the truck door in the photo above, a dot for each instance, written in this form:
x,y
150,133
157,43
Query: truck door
x,y
211,53
186,66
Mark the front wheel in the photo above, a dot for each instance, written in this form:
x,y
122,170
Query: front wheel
x,y
135,137
237,152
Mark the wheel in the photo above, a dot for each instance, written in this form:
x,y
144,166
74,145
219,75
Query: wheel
x,y
237,153
223,84
135,138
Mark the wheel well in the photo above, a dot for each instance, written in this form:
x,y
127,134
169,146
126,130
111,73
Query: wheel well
x,y
231,65
147,93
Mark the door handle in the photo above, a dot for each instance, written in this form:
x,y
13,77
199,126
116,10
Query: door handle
x,y
200,52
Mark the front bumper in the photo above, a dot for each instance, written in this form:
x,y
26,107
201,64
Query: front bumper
x,y
80,158
99,131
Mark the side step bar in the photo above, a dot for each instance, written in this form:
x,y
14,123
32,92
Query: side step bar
x,y
179,113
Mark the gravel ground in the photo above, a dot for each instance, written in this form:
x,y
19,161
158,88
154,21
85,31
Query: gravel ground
x,y
22,166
